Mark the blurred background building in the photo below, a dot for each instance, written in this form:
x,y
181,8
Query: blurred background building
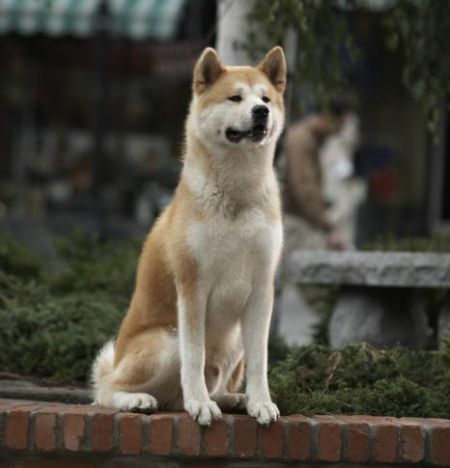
x,y
94,93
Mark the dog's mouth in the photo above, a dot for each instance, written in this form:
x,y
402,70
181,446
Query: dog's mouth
x,y
255,134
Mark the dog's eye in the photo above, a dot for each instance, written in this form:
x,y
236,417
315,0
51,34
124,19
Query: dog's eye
x,y
235,98
265,99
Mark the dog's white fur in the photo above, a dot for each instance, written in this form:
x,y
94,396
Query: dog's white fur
x,y
218,242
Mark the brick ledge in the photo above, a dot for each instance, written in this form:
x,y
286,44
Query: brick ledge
x,y
96,437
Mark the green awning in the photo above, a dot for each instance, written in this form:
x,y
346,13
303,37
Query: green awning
x,y
136,19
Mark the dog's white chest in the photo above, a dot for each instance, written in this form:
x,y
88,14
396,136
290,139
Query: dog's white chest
x,y
231,254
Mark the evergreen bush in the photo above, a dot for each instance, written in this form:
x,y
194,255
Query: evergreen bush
x,y
53,325
359,379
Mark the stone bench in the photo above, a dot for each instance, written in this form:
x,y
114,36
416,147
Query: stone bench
x,y
378,300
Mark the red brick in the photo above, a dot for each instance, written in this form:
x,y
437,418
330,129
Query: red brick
x,y
412,442
329,439
5,405
440,446
298,438
420,421
45,431
358,442
135,463
271,440
436,422
160,434
245,429
130,429
73,431
17,429
378,420
188,436
386,443
64,408
9,405
56,463
215,438
102,432
207,465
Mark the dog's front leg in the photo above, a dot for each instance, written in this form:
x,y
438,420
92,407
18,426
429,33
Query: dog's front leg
x,y
191,320
255,334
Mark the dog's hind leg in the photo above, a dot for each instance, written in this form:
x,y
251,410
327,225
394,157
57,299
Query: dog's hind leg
x,y
134,401
235,381
227,396
146,373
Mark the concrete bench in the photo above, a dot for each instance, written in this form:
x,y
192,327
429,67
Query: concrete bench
x,y
378,300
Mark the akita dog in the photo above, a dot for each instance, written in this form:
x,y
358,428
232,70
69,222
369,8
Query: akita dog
x,y
204,287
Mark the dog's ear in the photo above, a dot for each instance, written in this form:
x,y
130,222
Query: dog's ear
x,y
274,67
207,70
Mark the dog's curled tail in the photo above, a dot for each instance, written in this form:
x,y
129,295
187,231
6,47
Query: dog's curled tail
x,y
101,371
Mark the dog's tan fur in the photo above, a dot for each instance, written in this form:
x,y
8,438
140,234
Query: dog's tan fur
x,y
188,309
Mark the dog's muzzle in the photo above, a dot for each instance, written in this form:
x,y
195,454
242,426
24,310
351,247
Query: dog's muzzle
x,y
258,130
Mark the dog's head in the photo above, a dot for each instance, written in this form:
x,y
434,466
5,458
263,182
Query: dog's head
x,y
238,105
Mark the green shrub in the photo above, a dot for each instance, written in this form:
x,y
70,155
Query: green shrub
x,y
52,326
322,298
436,243
53,336
94,265
54,323
362,379
15,259
278,349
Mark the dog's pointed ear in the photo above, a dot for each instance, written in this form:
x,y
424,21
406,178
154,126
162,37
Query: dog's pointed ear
x,y
207,70
274,67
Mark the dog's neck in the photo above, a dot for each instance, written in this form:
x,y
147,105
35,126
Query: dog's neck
x,y
229,179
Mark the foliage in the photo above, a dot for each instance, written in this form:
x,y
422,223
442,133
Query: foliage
x,y
52,327
437,243
422,30
361,379
17,260
322,36
53,336
278,349
322,298
96,265
446,352
419,28
53,324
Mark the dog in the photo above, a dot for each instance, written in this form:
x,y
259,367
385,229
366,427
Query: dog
x,y
203,298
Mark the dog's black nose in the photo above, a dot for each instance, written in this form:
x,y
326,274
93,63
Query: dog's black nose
x,y
260,112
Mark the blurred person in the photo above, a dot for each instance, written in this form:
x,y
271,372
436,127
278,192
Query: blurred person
x,y
307,223
342,191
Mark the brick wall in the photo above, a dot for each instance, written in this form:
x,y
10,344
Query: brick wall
x,y
47,435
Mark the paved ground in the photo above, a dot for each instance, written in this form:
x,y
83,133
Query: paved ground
x,y
12,386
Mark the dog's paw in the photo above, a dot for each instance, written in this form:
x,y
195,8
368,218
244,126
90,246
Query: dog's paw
x,y
203,411
230,401
264,411
126,401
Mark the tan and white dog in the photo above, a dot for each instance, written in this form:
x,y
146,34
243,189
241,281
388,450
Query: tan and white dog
x,y
204,287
